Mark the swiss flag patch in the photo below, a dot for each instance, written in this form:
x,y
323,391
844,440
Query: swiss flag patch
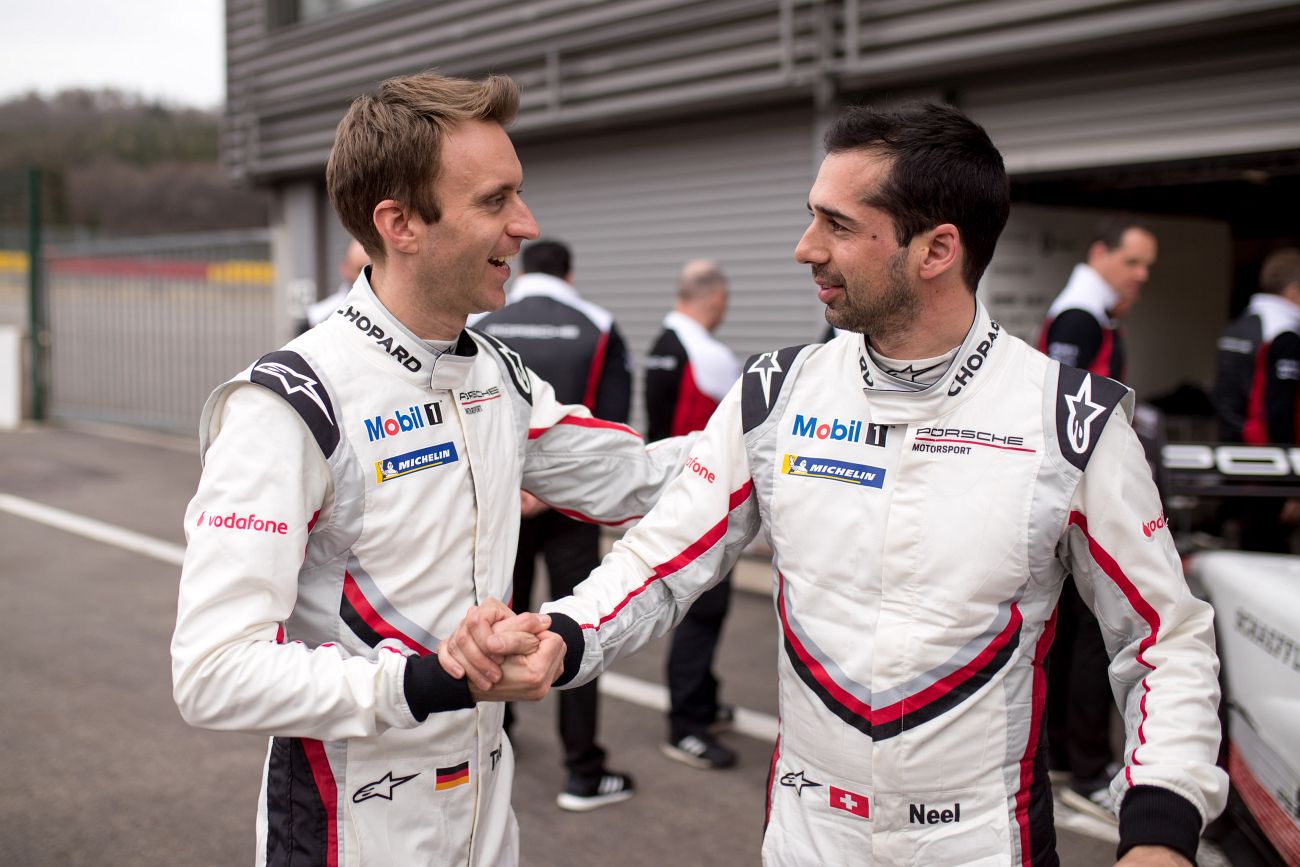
x,y
850,802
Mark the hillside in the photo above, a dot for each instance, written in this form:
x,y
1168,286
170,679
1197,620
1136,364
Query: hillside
x,y
119,165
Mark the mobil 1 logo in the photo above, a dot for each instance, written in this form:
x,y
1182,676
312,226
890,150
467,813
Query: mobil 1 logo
x,y
400,421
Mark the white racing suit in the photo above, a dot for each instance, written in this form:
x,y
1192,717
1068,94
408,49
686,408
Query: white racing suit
x,y
359,493
919,543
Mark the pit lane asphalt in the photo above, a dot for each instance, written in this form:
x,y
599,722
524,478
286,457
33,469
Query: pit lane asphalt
x,y
99,769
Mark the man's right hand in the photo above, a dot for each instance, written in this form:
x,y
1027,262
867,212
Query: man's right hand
x,y
489,634
527,677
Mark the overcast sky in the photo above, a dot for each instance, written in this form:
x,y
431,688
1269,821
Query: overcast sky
x,y
172,50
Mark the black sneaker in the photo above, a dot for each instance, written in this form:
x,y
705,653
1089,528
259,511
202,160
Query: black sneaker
x,y
581,795
723,720
699,751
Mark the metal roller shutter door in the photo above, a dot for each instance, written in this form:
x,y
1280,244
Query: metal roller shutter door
x,y
636,205
1194,106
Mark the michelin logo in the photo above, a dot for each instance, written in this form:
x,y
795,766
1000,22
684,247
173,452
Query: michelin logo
x,y
837,471
412,462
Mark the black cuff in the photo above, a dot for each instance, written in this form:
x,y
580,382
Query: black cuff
x,y
567,628
1153,816
430,689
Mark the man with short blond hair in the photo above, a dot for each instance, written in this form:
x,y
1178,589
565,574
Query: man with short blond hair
x,y
386,449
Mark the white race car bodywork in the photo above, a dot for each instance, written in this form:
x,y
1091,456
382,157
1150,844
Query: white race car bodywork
x,y
1256,598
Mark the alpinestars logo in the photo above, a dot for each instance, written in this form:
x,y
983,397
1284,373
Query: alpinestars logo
x,y
381,788
294,381
1081,413
765,366
797,781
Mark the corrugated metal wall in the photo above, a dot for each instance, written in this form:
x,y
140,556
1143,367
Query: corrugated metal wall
x,y
1220,100
583,63
578,62
636,206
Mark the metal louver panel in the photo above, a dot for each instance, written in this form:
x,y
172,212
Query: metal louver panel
x,y
635,206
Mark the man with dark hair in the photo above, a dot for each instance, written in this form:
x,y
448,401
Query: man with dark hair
x,y
926,485
1082,325
688,373
1082,330
1256,389
360,492
576,347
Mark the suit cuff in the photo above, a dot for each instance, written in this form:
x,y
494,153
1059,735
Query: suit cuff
x,y
1154,816
430,689
568,629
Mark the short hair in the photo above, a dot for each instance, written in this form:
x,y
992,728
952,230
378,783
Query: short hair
x,y
389,144
700,279
1110,229
944,168
545,256
1281,269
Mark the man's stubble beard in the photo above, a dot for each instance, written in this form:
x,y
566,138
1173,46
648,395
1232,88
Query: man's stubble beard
x,y
884,314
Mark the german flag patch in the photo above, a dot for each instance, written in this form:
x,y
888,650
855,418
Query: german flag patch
x,y
450,778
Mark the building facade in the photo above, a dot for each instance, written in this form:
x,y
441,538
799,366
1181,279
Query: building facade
x,y
656,131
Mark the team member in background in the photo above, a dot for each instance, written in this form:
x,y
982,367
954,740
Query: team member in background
x,y
688,372
354,260
576,347
921,529
1255,390
1082,327
1082,330
383,453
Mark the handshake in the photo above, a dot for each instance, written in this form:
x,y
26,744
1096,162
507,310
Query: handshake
x,y
505,656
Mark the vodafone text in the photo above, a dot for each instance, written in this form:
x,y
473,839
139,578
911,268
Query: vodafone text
x,y
236,521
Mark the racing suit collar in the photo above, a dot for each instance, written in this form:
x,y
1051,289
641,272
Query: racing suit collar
x,y
389,345
1086,290
970,369
1276,314
537,283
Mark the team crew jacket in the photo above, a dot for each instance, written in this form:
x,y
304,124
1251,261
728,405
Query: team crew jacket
x,y
688,372
919,543
1079,330
1255,390
593,369
359,493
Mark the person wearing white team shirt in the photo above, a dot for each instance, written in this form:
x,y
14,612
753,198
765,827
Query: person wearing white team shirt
x,y
688,372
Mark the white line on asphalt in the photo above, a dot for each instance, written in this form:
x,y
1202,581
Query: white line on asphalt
x,y
630,689
633,690
92,529
645,694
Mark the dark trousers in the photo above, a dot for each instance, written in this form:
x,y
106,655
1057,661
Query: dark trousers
x,y
571,550
692,686
1079,697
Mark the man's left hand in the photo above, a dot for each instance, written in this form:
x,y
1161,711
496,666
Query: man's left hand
x,y
1152,856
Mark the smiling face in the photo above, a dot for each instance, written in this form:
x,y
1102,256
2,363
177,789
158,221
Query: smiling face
x,y
464,258
859,267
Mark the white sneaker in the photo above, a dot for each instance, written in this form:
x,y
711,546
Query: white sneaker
x,y
1091,800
